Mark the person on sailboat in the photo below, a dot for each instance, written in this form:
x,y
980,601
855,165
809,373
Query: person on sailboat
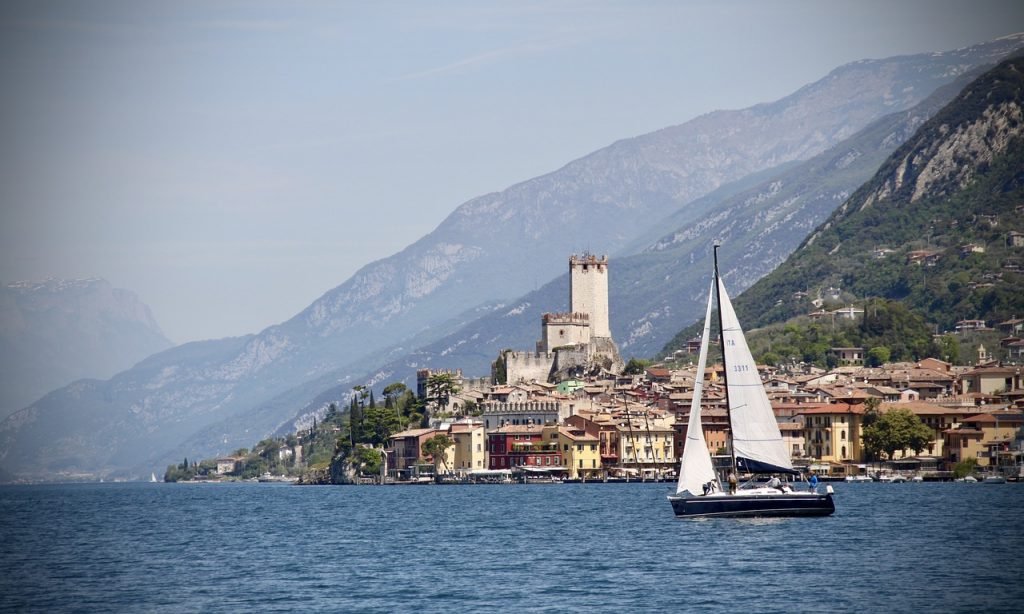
x,y
776,483
813,481
732,483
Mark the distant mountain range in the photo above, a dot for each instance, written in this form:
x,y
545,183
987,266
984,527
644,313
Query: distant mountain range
x,y
57,331
217,395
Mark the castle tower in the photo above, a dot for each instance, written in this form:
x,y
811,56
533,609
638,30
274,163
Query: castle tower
x,y
588,291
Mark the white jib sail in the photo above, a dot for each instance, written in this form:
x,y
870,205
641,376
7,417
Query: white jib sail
x,y
695,468
755,432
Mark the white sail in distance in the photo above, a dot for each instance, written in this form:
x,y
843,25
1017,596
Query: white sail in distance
x,y
756,439
695,468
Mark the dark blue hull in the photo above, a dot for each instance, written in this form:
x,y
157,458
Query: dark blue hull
x,y
741,505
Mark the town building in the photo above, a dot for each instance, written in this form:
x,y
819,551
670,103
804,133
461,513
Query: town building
x,y
832,432
982,437
581,455
470,450
406,449
522,448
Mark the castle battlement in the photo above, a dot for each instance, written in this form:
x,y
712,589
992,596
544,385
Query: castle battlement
x,y
566,318
588,260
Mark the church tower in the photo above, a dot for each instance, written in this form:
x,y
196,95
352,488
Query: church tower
x,y
588,291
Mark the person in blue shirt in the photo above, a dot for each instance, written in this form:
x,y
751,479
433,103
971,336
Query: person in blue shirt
x,y
813,481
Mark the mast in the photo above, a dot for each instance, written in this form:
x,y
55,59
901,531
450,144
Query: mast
x,y
725,367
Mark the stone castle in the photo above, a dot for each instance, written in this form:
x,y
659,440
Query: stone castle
x,y
577,342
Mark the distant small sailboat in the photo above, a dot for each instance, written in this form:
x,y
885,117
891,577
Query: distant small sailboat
x,y
152,477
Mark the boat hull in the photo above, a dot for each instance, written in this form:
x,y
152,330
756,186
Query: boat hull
x,y
751,505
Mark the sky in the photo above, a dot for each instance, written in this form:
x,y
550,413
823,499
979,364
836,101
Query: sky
x,y
230,162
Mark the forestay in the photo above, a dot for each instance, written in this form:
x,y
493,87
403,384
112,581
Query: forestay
x,y
695,468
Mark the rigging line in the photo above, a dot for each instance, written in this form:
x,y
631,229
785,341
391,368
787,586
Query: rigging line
x,y
632,440
654,455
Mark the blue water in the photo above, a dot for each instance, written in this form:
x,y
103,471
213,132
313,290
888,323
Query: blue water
x,y
537,548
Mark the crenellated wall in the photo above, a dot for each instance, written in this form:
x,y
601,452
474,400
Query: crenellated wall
x,y
561,329
497,414
528,366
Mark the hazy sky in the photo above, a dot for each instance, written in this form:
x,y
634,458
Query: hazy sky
x,y
232,161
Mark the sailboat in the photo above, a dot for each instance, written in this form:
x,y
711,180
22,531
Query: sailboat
x,y
152,477
755,442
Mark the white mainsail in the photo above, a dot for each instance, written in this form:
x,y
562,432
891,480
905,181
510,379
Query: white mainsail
x,y
695,468
756,439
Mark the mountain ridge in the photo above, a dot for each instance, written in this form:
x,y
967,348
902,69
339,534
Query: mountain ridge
x,y
600,199
56,331
952,193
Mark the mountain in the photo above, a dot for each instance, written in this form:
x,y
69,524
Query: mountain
x,y
933,227
652,294
57,331
498,245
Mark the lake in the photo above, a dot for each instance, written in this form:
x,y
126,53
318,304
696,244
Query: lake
x,y
938,547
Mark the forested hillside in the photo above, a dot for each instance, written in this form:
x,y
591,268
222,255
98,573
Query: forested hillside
x,y
936,228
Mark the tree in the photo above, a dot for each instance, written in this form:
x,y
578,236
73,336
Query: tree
x,y
434,448
368,461
378,425
440,387
949,349
636,366
898,429
965,467
499,368
392,392
878,356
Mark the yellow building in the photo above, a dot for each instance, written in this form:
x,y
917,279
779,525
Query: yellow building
x,y
936,417
470,450
982,437
580,451
646,445
832,432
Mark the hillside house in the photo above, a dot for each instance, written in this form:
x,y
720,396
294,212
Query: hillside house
x,y
1013,326
971,248
924,257
848,356
968,325
848,313
990,380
